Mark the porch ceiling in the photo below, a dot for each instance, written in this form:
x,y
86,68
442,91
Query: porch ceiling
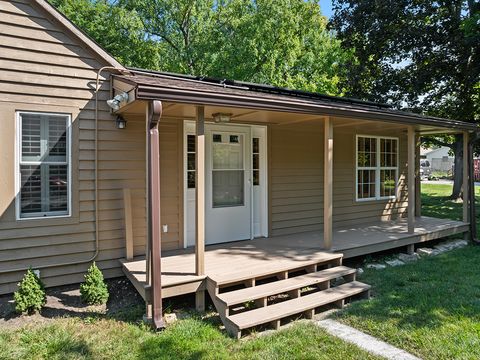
x,y
183,111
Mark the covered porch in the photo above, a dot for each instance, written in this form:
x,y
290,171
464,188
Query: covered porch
x,y
340,178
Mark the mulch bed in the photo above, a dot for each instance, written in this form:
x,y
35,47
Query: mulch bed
x,y
64,301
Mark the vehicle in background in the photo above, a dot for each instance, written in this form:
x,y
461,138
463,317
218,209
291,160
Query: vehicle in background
x,y
425,169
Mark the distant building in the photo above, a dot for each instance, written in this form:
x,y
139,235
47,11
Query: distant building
x,y
439,158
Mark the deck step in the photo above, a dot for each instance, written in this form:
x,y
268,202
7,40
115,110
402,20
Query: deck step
x,y
275,267
291,307
283,286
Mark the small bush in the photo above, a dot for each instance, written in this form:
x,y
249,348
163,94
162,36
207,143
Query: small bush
x,y
30,296
94,290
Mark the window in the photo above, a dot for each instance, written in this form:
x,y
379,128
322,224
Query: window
x,y
377,167
191,161
256,160
43,165
228,172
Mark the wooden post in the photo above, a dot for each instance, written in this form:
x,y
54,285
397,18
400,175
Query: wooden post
x,y
411,179
418,184
465,176
328,184
154,221
127,203
200,300
200,192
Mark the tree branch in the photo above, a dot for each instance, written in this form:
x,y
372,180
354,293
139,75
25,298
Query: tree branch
x,y
164,37
436,142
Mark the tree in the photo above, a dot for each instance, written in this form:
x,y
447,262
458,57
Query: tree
x,y
30,296
419,55
119,31
94,290
283,42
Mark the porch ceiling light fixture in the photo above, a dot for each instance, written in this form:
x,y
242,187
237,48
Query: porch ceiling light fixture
x,y
115,102
221,117
120,122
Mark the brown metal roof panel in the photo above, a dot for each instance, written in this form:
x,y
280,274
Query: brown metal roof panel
x,y
170,88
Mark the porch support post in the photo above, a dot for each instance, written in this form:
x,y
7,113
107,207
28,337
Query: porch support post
x,y
411,179
328,184
200,193
465,176
418,184
154,221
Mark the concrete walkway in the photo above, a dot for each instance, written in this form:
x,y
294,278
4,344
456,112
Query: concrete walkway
x,y
364,341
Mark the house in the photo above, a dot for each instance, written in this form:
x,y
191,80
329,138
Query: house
x,y
439,158
215,183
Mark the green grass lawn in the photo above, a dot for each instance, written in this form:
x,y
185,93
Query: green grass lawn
x,y
73,338
436,202
430,308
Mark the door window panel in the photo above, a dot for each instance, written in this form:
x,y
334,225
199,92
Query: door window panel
x,y
228,172
256,161
228,188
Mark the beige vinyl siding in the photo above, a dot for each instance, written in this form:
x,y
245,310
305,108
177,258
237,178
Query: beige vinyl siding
x,y
43,68
296,178
171,182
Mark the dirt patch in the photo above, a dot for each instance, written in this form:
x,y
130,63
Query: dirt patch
x,y
64,301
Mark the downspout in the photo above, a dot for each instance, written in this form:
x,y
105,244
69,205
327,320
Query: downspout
x,y
96,249
471,189
154,221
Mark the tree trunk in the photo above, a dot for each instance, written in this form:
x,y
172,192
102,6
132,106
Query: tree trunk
x,y
458,167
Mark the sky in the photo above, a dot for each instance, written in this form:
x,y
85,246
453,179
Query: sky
x,y
326,6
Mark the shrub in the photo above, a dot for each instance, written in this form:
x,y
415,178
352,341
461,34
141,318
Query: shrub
x,y
30,296
94,290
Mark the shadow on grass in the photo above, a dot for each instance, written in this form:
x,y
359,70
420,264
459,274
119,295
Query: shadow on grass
x,y
192,338
69,349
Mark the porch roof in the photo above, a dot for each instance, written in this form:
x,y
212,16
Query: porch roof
x,y
149,85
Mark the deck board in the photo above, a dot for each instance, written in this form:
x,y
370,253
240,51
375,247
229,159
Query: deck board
x,y
231,260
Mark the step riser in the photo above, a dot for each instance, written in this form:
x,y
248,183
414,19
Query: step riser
x,y
281,274
276,275
320,280
275,313
236,331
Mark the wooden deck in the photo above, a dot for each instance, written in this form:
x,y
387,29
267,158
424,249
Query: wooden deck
x,y
252,258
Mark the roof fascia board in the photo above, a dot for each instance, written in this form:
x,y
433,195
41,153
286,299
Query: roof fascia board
x,y
210,98
79,34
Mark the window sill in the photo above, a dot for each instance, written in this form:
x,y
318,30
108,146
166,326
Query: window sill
x,y
39,222
41,217
386,198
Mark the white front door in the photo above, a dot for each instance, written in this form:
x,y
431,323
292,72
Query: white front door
x,y
228,184
235,197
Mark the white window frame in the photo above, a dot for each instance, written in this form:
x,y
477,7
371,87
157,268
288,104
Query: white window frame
x,y
377,168
18,162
